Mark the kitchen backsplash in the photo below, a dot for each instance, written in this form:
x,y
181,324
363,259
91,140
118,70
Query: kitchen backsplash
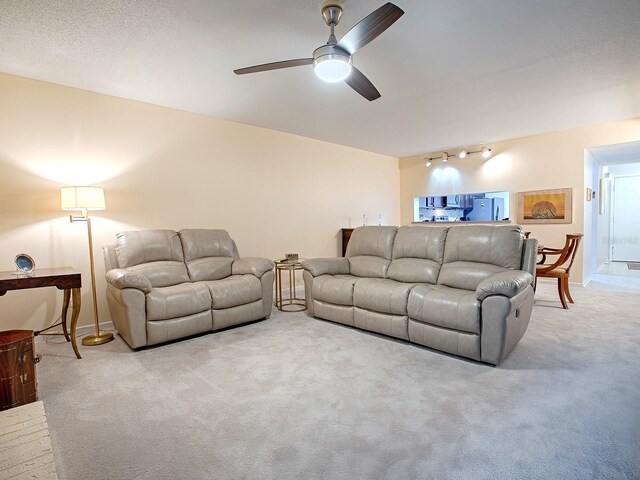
x,y
440,214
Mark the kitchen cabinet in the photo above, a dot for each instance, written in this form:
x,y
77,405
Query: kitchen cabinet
x,y
459,201
435,202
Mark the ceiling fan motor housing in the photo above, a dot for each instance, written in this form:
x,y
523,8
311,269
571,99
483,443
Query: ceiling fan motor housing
x,y
332,14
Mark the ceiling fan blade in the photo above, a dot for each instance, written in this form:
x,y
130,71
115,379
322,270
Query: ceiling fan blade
x,y
274,66
370,27
362,84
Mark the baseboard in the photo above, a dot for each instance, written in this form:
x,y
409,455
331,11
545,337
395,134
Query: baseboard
x,y
555,281
80,331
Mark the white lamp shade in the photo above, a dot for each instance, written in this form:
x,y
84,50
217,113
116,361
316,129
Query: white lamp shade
x,y
82,198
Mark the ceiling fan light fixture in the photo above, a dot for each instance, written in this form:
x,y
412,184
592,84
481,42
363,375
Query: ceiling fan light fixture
x,y
331,64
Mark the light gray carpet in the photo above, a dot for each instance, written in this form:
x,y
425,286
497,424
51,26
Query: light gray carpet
x,y
297,398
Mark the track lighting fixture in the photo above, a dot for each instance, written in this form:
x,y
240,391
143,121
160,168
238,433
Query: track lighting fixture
x,y
484,151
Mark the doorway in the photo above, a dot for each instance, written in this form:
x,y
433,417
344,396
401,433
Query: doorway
x,y
614,253
625,241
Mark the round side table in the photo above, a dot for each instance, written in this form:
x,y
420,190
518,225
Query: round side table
x,y
292,303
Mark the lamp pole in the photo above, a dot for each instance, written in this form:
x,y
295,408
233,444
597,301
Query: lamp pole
x,y
97,338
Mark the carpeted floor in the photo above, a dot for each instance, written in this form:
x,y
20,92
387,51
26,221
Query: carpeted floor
x,y
297,398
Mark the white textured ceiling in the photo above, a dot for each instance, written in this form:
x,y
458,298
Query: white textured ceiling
x,y
451,72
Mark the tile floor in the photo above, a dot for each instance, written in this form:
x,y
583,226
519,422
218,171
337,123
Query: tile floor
x,y
616,276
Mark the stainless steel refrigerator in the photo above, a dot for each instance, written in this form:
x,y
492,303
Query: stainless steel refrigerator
x,y
487,209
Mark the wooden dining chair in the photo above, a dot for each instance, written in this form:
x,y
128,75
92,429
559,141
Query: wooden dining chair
x,y
561,267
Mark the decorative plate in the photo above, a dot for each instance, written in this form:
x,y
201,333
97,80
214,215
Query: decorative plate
x,y
25,263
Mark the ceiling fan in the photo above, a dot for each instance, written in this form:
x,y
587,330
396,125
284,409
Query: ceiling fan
x,y
332,62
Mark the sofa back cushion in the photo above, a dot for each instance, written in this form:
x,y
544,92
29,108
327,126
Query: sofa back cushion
x,y
475,252
370,250
156,254
418,253
208,253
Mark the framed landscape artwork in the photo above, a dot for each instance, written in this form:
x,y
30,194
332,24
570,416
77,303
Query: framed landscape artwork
x,y
545,206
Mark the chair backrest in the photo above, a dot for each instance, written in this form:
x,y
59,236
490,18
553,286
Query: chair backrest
x,y
156,254
475,252
418,253
208,253
370,250
566,254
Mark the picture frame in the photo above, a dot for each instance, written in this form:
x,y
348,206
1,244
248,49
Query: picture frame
x,y
24,263
545,206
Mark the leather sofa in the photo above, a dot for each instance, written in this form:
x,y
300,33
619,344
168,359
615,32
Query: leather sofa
x,y
163,285
466,290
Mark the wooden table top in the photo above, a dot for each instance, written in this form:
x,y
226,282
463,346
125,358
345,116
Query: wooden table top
x,y
61,277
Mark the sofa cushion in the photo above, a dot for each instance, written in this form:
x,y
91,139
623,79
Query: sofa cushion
x,y
177,301
447,307
162,274
208,253
136,247
234,291
337,290
418,253
474,252
369,267
466,275
209,268
370,250
382,295
156,254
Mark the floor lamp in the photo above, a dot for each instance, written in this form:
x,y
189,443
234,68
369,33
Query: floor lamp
x,y
85,199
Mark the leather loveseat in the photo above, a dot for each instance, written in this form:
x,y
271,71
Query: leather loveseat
x,y
164,285
465,290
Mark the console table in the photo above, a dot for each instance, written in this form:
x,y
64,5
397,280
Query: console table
x,y
66,279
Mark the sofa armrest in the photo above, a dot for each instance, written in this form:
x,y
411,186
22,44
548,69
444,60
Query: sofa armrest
x,y
251,266
121,279
326,266
508,283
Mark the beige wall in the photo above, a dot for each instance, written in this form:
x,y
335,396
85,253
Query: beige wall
x,y
164,168
554,160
